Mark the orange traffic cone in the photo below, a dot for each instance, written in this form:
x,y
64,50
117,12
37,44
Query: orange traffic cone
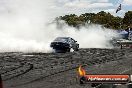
x,y
1,84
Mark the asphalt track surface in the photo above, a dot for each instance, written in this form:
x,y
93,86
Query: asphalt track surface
x,y
59,70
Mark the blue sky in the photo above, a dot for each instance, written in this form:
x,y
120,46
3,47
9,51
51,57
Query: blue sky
x,y
63,7
84,6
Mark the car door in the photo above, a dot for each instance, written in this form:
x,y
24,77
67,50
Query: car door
x,y
70,42
73,43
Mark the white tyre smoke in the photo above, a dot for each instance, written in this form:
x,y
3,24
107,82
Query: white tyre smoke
x,y
23,28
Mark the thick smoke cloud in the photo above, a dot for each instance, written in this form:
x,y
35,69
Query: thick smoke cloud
x,y
89,36
24,27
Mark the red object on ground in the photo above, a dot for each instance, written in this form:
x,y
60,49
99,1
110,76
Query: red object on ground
x,y
107,78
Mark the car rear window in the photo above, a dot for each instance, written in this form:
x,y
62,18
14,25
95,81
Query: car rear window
x,y
61,39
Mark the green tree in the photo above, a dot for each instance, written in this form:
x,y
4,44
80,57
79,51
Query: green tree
x,y
127,21
103,18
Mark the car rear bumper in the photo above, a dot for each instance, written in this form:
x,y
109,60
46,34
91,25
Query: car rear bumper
x,y
59,45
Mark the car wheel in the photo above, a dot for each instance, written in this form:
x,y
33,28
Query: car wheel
x,y
76,49
68,50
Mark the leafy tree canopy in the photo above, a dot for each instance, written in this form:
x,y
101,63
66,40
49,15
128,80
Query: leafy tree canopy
x,y
103,18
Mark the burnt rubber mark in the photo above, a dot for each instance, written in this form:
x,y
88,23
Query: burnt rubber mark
x,y
15,73
55,73
91,62
42,77
13,69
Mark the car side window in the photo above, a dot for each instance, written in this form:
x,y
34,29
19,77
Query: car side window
x,y
70,41
73,40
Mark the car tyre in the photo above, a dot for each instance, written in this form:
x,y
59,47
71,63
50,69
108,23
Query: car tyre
x,y
76,49
68,50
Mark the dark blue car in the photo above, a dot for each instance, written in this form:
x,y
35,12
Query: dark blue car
x,y
64,44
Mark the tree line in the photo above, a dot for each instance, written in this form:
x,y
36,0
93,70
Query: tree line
x,y
102,18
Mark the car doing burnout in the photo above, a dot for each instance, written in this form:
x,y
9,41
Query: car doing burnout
x,y
64,44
